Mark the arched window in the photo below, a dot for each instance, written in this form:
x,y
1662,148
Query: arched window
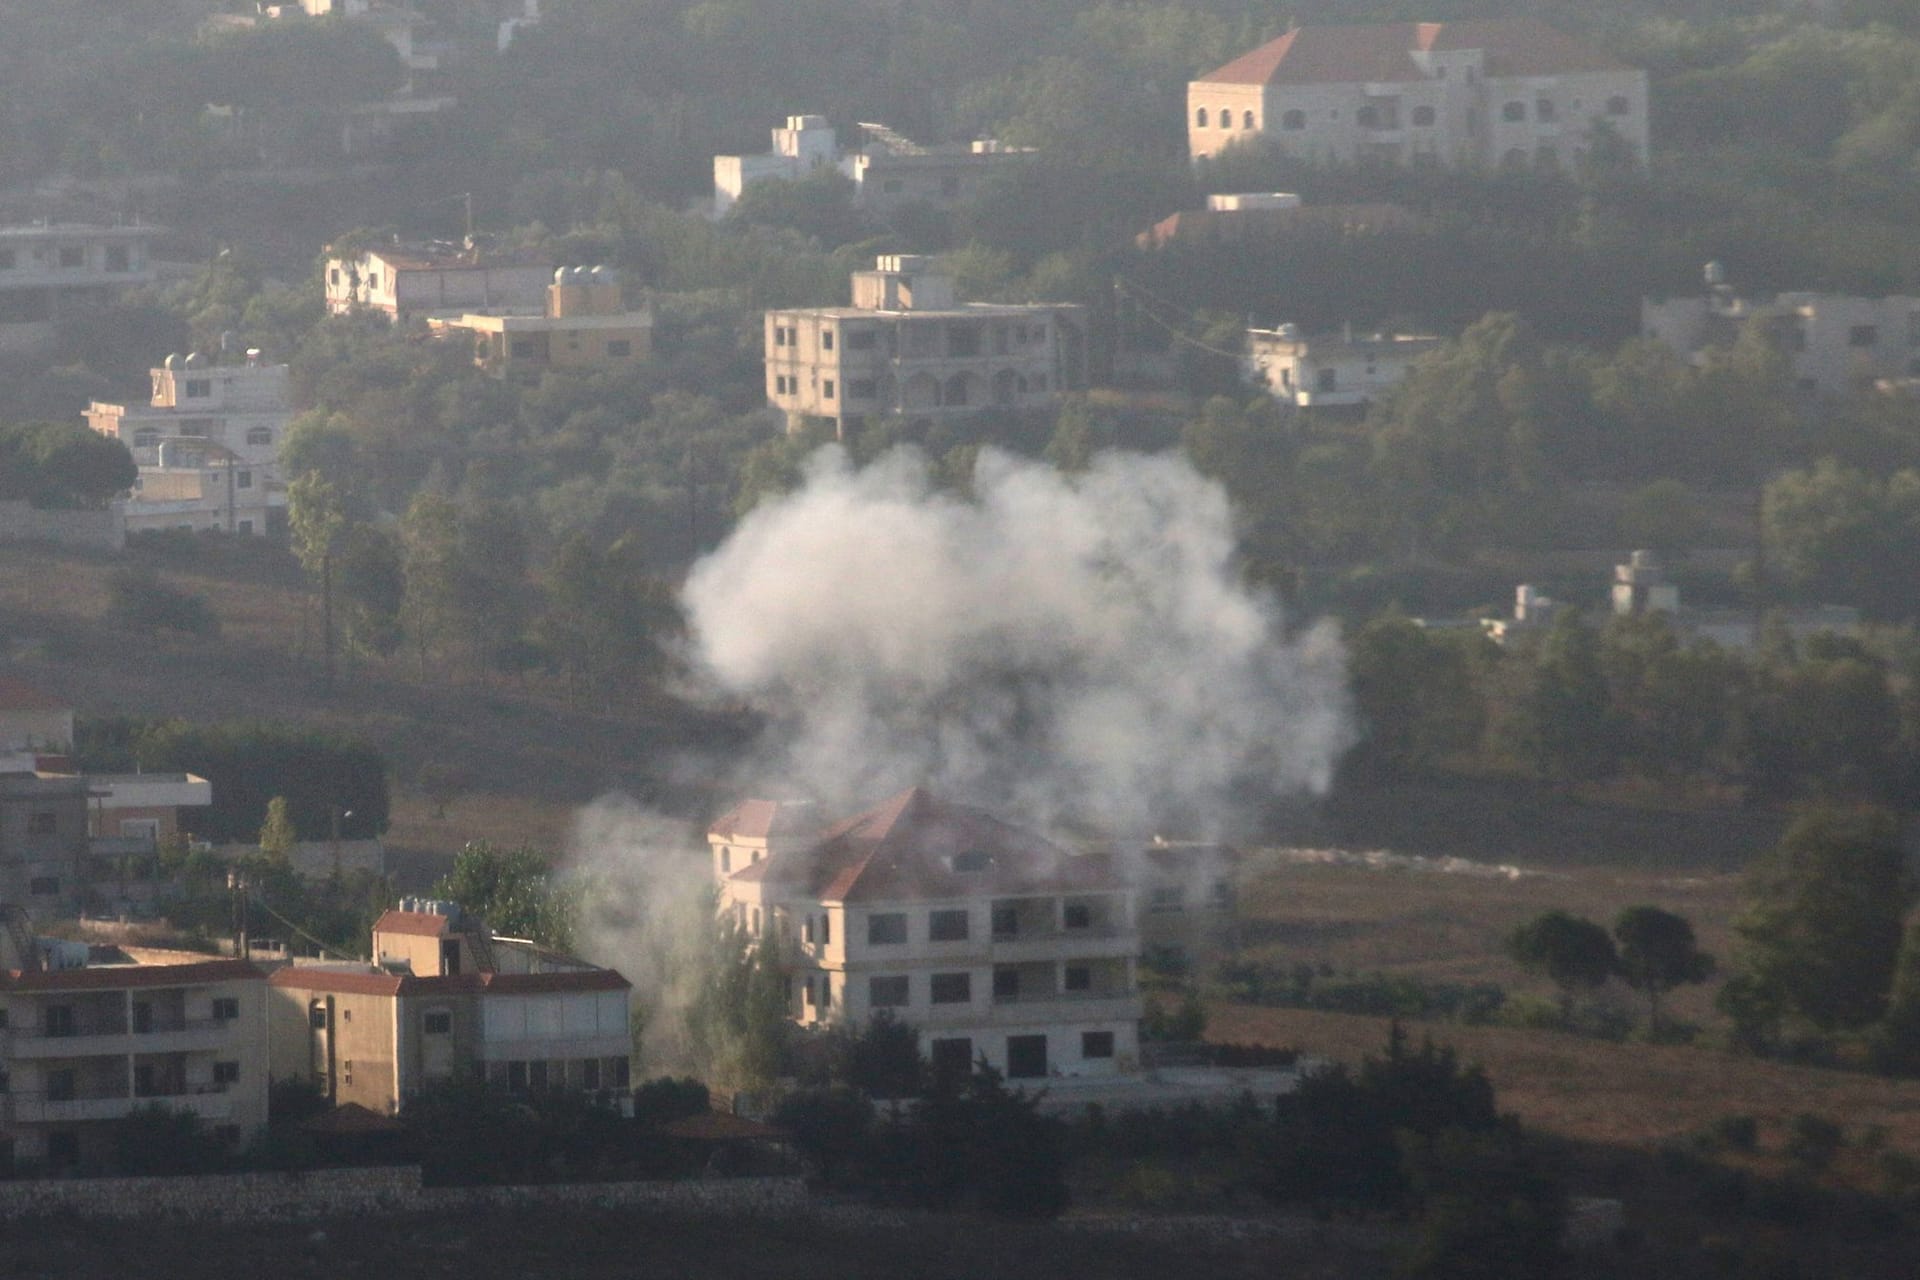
x,y
259,435
1514,111
1618,105
1423,115
1246,120
1200,117
1294,120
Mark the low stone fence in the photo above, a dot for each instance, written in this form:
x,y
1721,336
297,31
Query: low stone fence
x,y
331,1193
93,530
316,859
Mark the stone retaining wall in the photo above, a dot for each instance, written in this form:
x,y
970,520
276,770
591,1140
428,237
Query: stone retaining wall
x,y
94,530
328,1193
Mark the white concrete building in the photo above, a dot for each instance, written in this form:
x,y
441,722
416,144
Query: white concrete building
x,y
804,144
48,270
891,171
407,282
1331,369
89,1040
1833,342
987,939
1498,92
907,346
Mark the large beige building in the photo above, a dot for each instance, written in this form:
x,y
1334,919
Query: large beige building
x,y
446,999
907,346
1511,92
587,325
90,1037
987,939
1832,342
407,282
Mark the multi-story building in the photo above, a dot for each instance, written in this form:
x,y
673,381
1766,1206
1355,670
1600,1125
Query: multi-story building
x,y
91,1034
49,270
44,843
906,346
1832,342
1509,91
1331,369
890,171
446,999
587,325
406,282
989,940
804,144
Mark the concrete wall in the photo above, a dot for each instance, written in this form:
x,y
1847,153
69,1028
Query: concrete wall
x,y
94,530
314,859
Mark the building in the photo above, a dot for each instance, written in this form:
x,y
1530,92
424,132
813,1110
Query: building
x,y
906,346
586,325
51,270
95,1032
1832,342
407,282
890,171
1641,589
992,942
804,144
1511,92
1332,369
32,720
1188,898
447,999
1258,216
44,845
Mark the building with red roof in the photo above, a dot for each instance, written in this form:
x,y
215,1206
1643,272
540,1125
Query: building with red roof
x,y
992,941
1508,91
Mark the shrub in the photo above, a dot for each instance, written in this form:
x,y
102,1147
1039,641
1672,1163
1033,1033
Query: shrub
x,y
1813,1141
1739,1132
138,598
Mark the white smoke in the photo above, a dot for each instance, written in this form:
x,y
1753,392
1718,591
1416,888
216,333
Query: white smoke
x,y
1062,649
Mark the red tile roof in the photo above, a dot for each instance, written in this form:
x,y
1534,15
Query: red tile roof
x,y
1383,53
904,850
422,924
116,977
762,819
18,695
371,982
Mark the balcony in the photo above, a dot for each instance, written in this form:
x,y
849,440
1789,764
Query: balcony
x,y
1093,942
209,1101
111,1036
1068,1006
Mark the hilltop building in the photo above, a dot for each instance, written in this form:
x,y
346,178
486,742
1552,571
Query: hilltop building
x,y
1832,342
889,170
1509,91
586,325
406,282
1331,370
989,940
50,270
907,346
95,1032
448,999
804,144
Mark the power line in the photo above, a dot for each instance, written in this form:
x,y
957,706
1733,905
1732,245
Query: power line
x,y
1139,294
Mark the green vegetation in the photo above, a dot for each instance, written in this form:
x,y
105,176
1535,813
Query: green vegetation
x,y
62,464
515,892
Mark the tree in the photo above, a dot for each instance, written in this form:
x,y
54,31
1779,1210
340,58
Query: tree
x,y
316,520
1896,1041
1414,694
277,836
514,891
883,1059
158,1140
1573,952
1568,710
1657,954
738,1019
1822,925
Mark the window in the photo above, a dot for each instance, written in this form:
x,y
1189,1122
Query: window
x,y
619,348
779,384
259,435
886,928
1514,158
244,480
1367,118
537,1076
888,993
199,388
1543,109
317,1016
1078,915
952,988
142,1018
1006,920
826,991
620,1069
1096,1044
826,389
806,929
1166,898
1618,105
226,1073
117,258
43,823
1423,116
1006,983
1246,120
60,1084
756,922
1293,120
225,1008
146,438
44,885
1513,111
806,991
517,1076
71,256
1078,977
826,928
58,1019
437,1022
1200,117
779,335
1327,379
947,926
1546,157
1863,335
333,276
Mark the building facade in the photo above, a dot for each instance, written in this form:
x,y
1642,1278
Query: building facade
x,y
891,172
406,282
802,145
446,999
1510,92
586,325
1330,370
907,347
1832,342
987,939
90,1037
49,270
